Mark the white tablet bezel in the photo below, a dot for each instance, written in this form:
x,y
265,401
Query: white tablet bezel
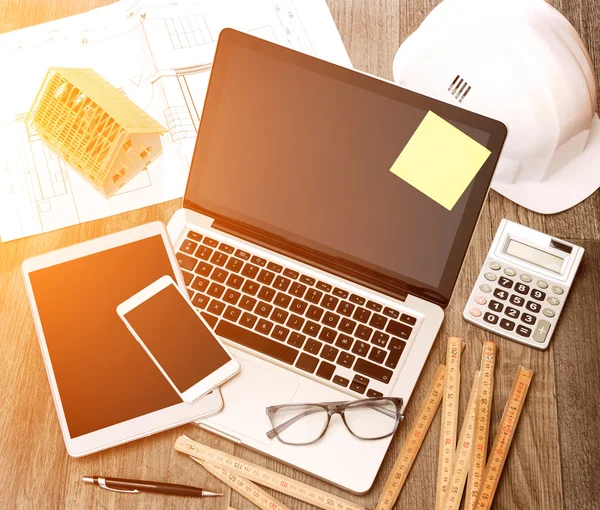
x,y
140,426
203,386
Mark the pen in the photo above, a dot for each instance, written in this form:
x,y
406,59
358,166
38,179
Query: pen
x,y
136,486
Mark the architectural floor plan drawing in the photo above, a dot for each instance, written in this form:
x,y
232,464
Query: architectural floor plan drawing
x,y
157,52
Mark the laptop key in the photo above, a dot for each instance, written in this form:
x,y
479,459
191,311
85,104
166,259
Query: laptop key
x,y
215,290
280,333
341,293
265,277
357,299
314,312
188,247
219,275
203,252
328,335
311,328
264,326
325,370
231,296
200,284
390,313
342,381
398,329
203,268
226,248
363,332
396,348
312,346
250,287
307,279
331,319
298,306
408,319
187,277
216,307
378,321
244,255
274,267
282,283
200,301
263,309
345,308
329,302
314,296
295,322
185,261
266,293
329,353
360,348
219,259
380,339
324,286
307,362
234,281
234,265
377,355
232,313
361,315
373,371
345,359
210,319
247,303
210,242
256,342
344,341
358,386
194,235
373,394
347,326
282,300
290,273
250,270
296,339
258,261
248,320
374,306
279,315
297,289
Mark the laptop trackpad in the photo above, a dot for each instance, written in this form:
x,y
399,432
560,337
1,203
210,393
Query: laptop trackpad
x,y
247,395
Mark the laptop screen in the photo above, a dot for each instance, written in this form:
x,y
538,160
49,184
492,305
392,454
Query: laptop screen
x,y
300,151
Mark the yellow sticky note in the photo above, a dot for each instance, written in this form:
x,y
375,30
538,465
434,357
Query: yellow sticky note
x,y
440,160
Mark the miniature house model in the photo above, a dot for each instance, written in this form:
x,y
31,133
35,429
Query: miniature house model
x,y
94,127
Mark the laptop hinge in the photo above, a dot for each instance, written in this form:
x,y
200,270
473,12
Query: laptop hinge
x,y
311,259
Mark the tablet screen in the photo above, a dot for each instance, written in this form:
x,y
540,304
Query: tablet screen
x,y
103,375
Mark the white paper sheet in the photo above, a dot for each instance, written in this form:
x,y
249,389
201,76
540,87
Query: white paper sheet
x,y
159,53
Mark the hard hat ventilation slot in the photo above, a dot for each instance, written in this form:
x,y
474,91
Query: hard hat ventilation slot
x,y
459,88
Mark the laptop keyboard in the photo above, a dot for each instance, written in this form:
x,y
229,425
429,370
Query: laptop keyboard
x,y
344,339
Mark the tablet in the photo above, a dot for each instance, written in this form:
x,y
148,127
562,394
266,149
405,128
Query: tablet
x,y
106,389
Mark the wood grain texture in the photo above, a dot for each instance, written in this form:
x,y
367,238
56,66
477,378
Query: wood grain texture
x,y
554,461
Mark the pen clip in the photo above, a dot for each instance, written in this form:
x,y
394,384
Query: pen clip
x,y
102,483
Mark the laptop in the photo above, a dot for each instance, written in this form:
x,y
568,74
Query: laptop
x,y
326,274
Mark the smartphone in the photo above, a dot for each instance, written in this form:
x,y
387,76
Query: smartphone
x,y
177,339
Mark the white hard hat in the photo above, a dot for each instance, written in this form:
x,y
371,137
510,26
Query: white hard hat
x,y
520,62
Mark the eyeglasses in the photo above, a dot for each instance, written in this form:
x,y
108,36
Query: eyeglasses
x,y
302,424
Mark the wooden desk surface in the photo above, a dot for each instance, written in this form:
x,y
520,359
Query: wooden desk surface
x,y
555,459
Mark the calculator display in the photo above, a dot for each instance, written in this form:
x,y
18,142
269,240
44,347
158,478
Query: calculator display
x,y
534,256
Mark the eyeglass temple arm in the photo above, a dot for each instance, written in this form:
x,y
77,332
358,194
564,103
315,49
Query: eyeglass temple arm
x,y
280,428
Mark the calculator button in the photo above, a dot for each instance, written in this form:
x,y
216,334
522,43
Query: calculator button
x,y
485,288
523,331
538,294
500,294
475,312
490,276
548,313
509,271
528,319
521,288
480,300
526,278
553,301
507,283
506,324
495,266
496,306
490,317
541,332
516,300
557,290
513,313
533,306
542,284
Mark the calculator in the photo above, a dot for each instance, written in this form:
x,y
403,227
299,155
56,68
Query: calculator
x,y
523,285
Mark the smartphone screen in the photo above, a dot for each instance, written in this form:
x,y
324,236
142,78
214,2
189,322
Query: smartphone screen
x,y
179,341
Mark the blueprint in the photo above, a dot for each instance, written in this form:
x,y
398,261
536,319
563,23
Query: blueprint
x,y
157,52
